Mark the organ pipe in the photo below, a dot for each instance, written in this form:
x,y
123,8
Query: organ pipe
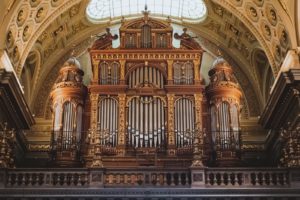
x,y
183,73
67,97
224,95
109,73
146,122
146,76
108,121
184,122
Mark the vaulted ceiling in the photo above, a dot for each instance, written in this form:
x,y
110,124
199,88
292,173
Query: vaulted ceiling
x,y
253,35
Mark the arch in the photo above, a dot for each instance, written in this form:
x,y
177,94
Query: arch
x,y
144,75
36,32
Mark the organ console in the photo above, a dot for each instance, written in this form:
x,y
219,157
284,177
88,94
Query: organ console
x,y
146,99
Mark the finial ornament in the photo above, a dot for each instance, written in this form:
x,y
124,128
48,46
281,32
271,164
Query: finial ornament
x,y
219,53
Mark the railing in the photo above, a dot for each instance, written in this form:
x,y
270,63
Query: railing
x,y
46,178
145,177
267,177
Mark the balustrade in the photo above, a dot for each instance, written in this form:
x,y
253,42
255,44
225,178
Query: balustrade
x,y
55,178
247,177
146,178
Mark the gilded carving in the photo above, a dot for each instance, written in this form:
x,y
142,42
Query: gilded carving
x,y
74,11
94,107
171,133
259,2
15,54
271,15
7,143
40,14
9,39
21,17
266,30
122,122
35,3
252,12
26,32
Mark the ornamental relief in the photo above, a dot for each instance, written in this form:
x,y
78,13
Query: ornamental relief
x,y
266,30
271,14
35,3
40,13
247,36
22,15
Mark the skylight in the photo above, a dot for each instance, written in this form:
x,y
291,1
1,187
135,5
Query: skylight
x,y
101,11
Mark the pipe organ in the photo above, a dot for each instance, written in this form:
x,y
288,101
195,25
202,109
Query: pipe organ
x,y
184,122
146,122
146,76
108,121
145,103
110,73
67,104
183,73
224,95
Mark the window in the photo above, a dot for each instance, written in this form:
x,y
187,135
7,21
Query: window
x,y
101,11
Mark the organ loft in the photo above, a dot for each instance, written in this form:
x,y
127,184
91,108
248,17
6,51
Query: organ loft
x,y
146,106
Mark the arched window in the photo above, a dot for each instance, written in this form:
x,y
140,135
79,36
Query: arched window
x,y
184,122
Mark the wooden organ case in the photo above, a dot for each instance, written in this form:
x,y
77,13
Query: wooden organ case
x,y
146,97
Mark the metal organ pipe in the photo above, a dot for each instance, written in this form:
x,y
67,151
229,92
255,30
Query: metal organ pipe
x,y
146,116
146,122
183,73
109,73
79,123
213,123
108,121
184,122
224,125
235,124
